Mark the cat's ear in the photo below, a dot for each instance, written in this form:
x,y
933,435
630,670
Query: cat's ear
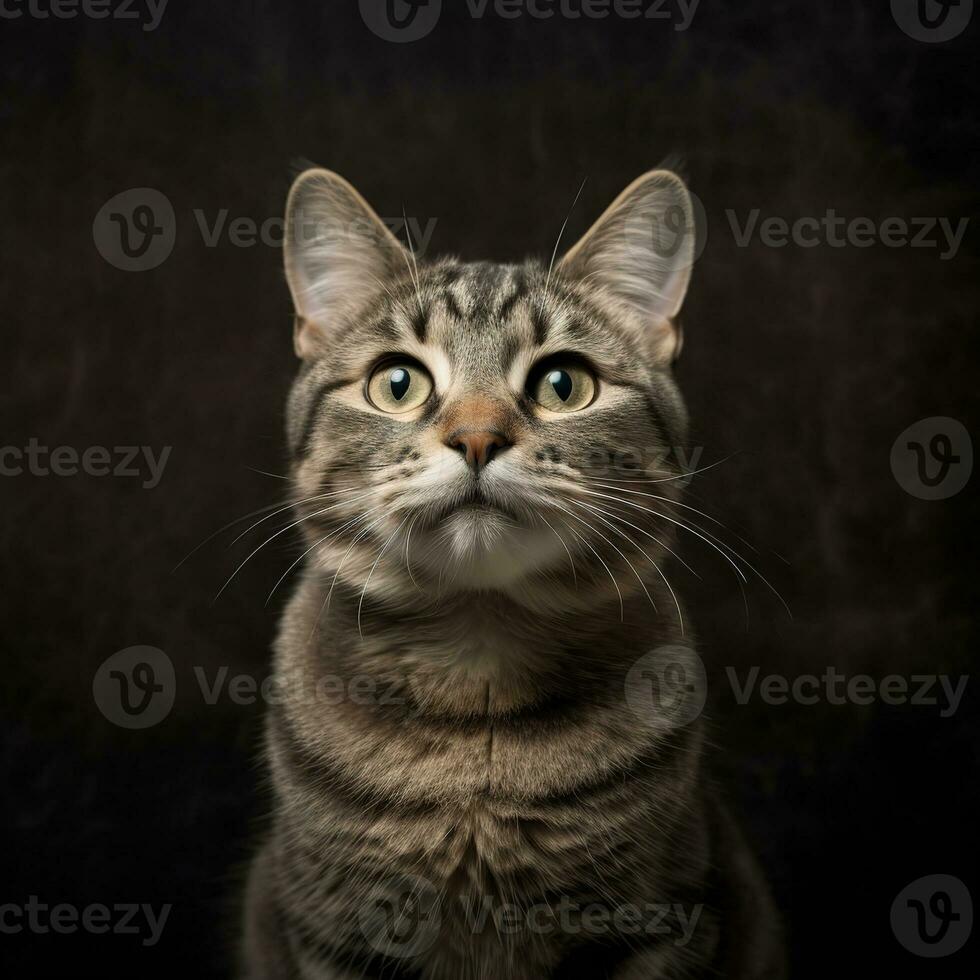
x,y
640,251
338,256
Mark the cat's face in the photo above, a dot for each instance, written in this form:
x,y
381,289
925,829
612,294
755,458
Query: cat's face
x,y
479,426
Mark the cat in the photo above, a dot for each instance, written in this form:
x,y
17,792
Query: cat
x,y
465,787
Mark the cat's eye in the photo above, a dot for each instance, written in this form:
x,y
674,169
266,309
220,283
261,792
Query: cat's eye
x,y
563,387
399,386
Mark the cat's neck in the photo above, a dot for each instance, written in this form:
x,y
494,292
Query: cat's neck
x,y
477,653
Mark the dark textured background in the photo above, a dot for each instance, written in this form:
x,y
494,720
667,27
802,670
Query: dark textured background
x,y
804,363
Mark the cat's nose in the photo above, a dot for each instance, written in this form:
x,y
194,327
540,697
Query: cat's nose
x,y
478,447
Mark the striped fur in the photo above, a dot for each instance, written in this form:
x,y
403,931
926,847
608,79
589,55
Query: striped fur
x,y
454,726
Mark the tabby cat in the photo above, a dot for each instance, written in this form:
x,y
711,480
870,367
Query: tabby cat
x,y
467,783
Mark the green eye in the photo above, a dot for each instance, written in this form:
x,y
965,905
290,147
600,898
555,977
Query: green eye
x,y
564,388
399,387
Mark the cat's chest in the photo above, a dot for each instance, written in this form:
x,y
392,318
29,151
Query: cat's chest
x,y
482,851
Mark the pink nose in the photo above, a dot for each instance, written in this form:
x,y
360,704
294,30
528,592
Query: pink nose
x,y
477,446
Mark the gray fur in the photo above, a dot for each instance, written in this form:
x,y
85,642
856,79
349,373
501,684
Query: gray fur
x,y
454,721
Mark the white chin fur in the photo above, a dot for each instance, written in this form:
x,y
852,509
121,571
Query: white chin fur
x,y
482,550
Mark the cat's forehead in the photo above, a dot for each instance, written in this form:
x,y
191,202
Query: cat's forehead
x,y
485,315
473,311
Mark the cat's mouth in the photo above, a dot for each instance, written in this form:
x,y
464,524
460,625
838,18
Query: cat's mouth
x,y
485,542
474,503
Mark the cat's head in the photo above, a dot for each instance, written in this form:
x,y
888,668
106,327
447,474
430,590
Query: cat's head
x,y
483,426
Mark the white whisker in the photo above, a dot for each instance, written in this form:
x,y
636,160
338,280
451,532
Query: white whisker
x,y
326,602
408,540
708,538
316,544
632,568
367,581
411,248
565,546
659,571
652,537
221,530
561,232
678,476
587,543
276,534
289,506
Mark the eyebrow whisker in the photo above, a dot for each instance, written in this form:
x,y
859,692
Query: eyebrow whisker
x,y
561,232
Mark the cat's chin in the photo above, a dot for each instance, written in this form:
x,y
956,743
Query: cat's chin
x,y
477,547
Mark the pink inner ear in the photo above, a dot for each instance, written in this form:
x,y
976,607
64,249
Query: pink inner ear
x,y
626,252
662,341
309,340
337,253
